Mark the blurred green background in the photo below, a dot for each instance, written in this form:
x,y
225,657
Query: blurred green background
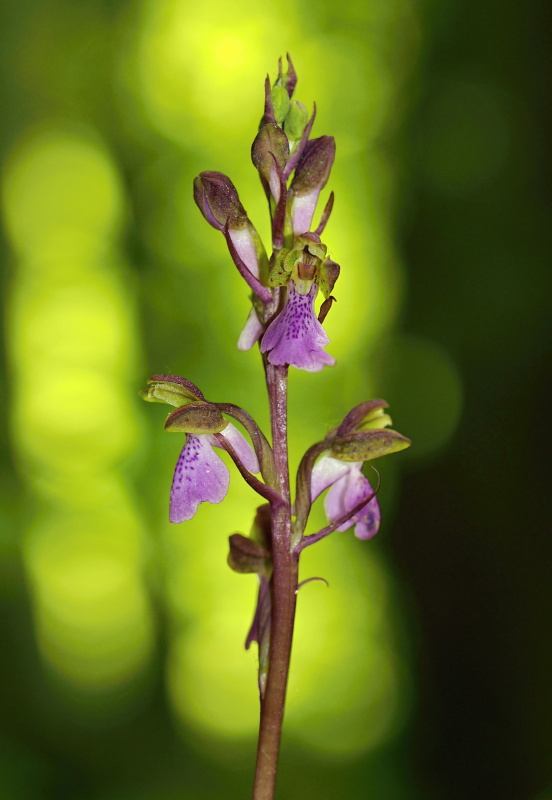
x,y
424,671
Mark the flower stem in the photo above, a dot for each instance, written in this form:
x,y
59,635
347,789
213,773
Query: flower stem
x,y
283,587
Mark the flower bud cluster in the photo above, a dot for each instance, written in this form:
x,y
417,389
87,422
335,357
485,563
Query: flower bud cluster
x,y
293,170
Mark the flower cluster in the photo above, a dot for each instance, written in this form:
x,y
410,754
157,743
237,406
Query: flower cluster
x,y
293,170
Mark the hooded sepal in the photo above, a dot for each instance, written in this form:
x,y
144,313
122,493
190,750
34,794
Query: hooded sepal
x,y
197,418
370,415
302,263
171,389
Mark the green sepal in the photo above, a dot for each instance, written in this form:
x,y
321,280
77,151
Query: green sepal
x,y
328,273
171,389
247,556
281,266
280,102
198,417
369,415
367,445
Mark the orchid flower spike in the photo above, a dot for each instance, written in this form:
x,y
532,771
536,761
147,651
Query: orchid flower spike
x,y
349,487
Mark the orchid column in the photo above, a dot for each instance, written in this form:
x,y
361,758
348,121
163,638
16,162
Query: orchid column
x,y
285,323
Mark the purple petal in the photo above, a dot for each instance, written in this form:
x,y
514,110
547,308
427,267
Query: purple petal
x,y
245,246
296,337
200,476
245,452
303,211
345,494
326,471
251,332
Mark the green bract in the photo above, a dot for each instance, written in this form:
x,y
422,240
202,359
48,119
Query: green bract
x,y
367,445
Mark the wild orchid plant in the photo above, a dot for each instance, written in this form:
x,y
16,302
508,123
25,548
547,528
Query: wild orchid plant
x,y
284,322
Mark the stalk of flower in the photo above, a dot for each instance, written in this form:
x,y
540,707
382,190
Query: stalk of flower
x,y
289,331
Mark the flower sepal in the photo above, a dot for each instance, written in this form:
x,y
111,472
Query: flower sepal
x,y
367,444
171,389
197,418
370,415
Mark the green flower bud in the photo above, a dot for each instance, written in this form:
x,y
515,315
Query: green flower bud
x,y
280,103
296,120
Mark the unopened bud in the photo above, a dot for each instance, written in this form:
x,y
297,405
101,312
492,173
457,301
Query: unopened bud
x,y
218,200
296,120
270,147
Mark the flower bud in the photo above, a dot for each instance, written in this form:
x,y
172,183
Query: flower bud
x,y
311,175
280,103
218,200
296,121
199,417
270,147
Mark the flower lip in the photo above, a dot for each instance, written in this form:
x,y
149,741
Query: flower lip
x,y
295,336
201,476
348,487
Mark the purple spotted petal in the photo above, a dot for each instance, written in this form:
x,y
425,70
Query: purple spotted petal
x,y
200,476
327,471
296,337
345,494
251,332
245,452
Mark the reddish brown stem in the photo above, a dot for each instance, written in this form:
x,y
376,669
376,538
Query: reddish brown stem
x,y
283,587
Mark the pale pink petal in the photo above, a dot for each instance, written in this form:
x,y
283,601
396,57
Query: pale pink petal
x,y
200,476
245,452
326,471
347,492
245,246
303,211
251,332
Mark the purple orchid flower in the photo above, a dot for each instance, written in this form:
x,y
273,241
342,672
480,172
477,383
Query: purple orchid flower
x,y
296,337
200,475
348,488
